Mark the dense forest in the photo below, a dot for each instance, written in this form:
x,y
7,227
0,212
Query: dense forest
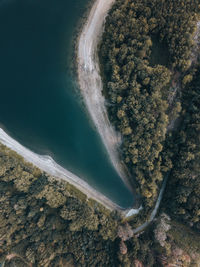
x,y
45,222
150,65
48,222
147,54
183,192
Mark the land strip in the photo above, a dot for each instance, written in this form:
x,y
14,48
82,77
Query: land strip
x,y
91,83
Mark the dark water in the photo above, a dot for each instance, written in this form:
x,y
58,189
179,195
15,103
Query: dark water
x,y
40,106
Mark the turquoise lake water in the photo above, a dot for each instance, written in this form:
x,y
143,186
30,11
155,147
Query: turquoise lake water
x,y
40,105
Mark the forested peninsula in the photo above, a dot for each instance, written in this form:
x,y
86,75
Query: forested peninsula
x,y
149,57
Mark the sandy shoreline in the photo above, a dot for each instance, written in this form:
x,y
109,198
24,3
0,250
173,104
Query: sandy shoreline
x,y
91,84
89,78
48,165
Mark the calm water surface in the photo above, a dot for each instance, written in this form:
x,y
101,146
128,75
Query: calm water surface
x,y
40,106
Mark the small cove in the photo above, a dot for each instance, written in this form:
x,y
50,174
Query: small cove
x,y
40,106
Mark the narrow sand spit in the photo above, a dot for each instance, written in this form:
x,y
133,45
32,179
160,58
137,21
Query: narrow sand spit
x,y
91,84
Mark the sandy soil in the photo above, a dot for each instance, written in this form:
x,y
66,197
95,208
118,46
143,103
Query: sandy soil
x,y
91,84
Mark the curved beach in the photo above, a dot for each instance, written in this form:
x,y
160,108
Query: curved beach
x,y
88,64
91,84
48,165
